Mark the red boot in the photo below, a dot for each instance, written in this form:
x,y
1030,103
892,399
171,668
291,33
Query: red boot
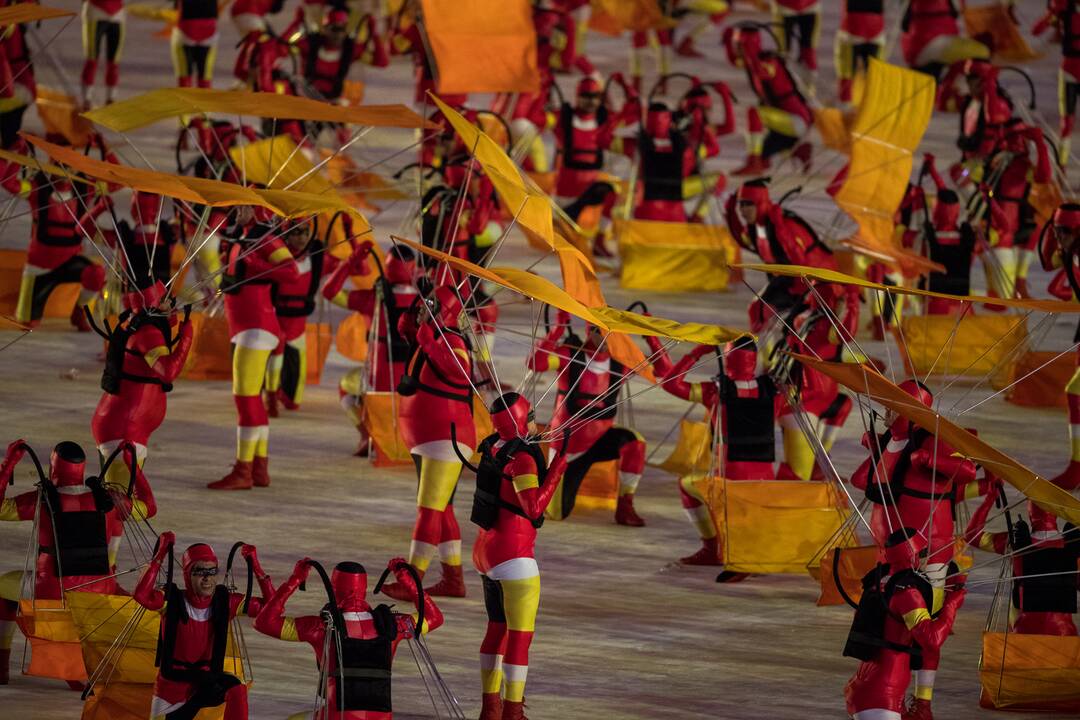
x,y
709,554
238,479
754,165
686,48
363,448
918,710
78,319
492,707
260,471
287,401
1070,479
625,513
397,591
451,584
513,710
270,400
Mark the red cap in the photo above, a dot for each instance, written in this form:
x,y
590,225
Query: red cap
x,y
449,305
1041,520
1067,215
199,552
903,549
337,16
147,297
67,464
510,415
756,192
589,85
400,265
740,359
349,580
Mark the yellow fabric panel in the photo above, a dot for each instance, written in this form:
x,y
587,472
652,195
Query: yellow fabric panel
x,y
981,344
208,192
60,114
865,380
832,124
163,103
54,641
9,511
887,127
1030,672
854,563
119,701
636,324
482,46
35,164
664,256
1047,306
25,12
1039,377
1009,43
351,337
381,424
210,357
152,11
278,158
620,15
691,453
11,582
774,526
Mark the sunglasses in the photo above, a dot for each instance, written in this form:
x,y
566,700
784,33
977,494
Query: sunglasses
x,y
204,572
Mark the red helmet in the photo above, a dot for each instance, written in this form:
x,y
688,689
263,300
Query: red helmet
x,y
919,391
947,209
697,98
349,580
658,120
1041,520
1067,215
448,306
199,552
904,549
741,41
756,192
740,359
400,265
67,464
337,16
147,297
511,414
588,85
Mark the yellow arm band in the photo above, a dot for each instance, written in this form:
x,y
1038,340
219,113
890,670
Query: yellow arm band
x,y
288,631
9,511
155,354
916,616
280,255
524,482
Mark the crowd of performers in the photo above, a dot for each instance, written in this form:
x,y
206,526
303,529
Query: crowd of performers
x,y
432,334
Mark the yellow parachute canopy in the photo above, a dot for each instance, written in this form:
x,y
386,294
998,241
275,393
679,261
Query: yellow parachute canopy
x,y
887,127
482,46
156,105
614,16
25,12
33,163
215,193
804,271
277,163
866,380
606,318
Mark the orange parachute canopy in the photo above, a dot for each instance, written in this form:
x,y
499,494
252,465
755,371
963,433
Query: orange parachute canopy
x,y
482,46
25,12
149,108
864,379
992,25
215,193
612,17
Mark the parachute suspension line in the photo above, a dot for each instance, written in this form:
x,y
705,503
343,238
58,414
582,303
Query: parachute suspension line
x,y
43,45
670,432
357,135
459,207
1067,351
529,378
106,666
322,689
1021,577
966,309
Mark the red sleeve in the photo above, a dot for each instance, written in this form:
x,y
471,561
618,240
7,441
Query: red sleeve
x,y
446,351
146,593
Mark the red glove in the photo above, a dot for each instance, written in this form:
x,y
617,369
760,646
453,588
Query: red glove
x,y
301,570
398,566
928,159
15,452
358,264
247,552
165,544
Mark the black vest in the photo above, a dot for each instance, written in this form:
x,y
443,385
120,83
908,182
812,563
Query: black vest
x,y
491,474
956,280
573,156
82,539
662,172
176,613
363,679
1055,591
750,430
867,634
302,305
337,80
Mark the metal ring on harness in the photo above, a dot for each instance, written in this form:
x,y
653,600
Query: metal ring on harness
x,y
250,572
419,591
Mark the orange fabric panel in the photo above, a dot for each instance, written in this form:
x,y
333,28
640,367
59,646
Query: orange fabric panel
x,y
614,16
318,347
1044,387
994,22
54,642
482,46
381,424
351,337
600,488
60,303
59,114
119,701
24,12
211,353
853,565
1030,672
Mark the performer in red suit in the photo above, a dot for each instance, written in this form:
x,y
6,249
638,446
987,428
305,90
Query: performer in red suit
x,y
799,19
328,55
61,215
891,643
194,42
513,488
587,391
931,38
365,638
79,525
861,36
18,88
777,237
1043,561
254,258
1064,15
782,115
191,652
436,414
742,412
142,361
666,159
948,243
103,30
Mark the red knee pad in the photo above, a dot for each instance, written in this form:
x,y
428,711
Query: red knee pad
x,y
251,411
517,647
632,457
450,528
428,528
753,121
93,277
112,74
89,70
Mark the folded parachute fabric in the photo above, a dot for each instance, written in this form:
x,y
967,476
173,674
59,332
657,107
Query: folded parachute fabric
x,y
215,193
164,103
25,12
482,46
832,276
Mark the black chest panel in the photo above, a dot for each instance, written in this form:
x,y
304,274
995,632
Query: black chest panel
x,y
363,679
662,171
750,430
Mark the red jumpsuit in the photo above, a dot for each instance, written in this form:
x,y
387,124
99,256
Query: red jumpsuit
x,y
587,391
799,19
861,36
186,645
581,140
294,302
254,259
60,220
666,159
194,42
349,590
931,36
152,361
103,29
17,86
326,67
1065,15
